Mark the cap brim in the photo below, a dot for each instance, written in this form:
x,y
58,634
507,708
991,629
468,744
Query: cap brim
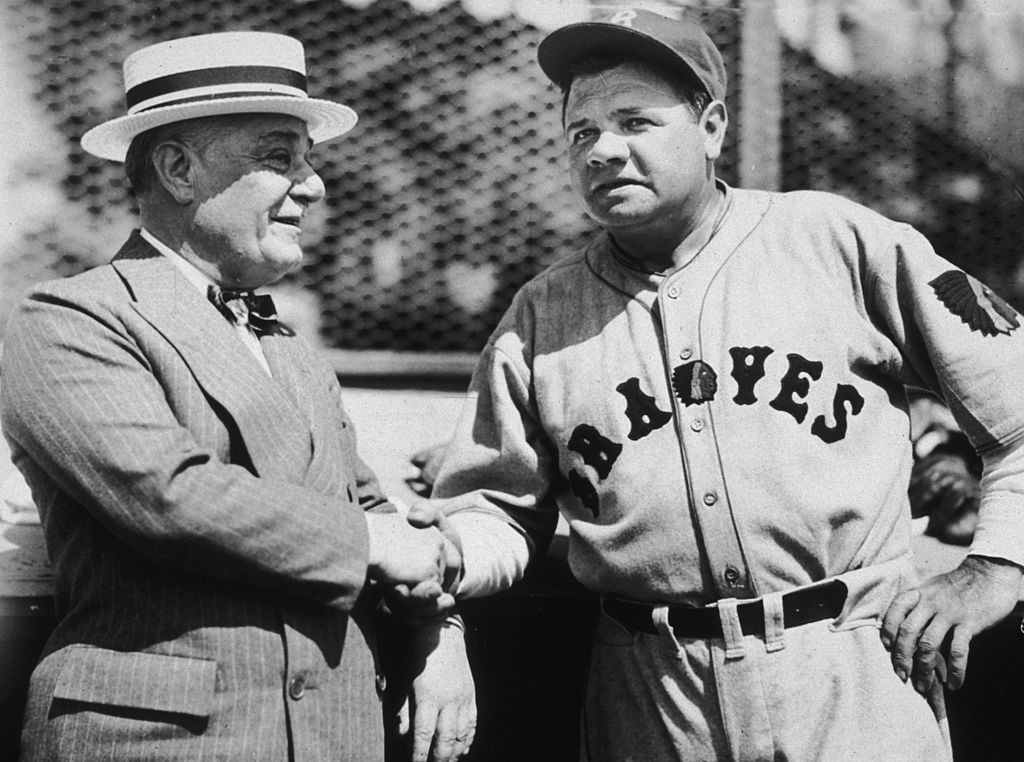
x,y
324,120
563,47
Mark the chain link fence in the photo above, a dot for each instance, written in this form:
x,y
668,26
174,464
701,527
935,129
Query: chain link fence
x,y
451,191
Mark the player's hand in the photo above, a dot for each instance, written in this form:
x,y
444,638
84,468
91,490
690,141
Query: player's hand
x,y
939,618
442,700
426,514
435,598
411,560
428,464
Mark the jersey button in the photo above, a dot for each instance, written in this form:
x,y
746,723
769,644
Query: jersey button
x,y
297,688
710,498
673,292
732,576
686,354
697,424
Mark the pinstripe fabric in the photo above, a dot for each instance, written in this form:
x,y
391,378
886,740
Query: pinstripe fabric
x,y
205,522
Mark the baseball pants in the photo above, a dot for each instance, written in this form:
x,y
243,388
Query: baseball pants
x,y
814,692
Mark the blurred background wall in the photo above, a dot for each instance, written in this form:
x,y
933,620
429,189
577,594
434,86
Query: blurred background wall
x,y
451,190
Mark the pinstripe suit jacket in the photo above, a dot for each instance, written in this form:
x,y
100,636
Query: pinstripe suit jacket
x,y
205,523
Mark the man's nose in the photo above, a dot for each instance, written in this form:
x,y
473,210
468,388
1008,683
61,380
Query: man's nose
x,y
307,186
609,147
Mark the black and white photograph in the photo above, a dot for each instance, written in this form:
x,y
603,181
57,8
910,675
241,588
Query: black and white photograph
x,y
512,380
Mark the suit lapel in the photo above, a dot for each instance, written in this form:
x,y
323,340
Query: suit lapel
x,y
291,364
274,431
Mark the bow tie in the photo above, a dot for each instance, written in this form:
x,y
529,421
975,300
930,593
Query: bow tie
x,y
257,311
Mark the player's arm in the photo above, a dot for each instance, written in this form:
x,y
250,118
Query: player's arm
x,y
964,342
497,481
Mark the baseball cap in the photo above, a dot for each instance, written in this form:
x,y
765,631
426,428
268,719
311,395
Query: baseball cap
x,y
673,43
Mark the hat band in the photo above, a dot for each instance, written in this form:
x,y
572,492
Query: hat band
x,y
223,75
213,97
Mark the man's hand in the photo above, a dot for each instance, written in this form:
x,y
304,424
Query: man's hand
x,y
939,618
442,700
425,514
409,559
428,461
943,488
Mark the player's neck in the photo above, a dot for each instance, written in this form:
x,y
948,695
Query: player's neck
x,y
663,248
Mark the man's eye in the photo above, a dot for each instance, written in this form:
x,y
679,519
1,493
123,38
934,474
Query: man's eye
x,y
580,135
279,160
637,123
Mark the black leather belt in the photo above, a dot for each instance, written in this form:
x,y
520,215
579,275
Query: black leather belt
x,y
803,606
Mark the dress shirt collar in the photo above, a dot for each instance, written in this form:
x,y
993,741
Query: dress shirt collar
x,y
193,274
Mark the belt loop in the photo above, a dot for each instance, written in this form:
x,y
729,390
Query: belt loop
x,y
774,622
660,617
732,631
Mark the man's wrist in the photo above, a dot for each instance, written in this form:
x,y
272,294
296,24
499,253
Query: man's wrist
x,y
995,566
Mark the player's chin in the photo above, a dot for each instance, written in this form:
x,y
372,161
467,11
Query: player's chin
x,y
619,215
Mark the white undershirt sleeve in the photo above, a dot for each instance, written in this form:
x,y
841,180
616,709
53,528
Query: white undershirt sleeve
x,y
1000,532
494,554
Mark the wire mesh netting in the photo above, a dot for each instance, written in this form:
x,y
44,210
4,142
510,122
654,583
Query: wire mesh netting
x,y
865,142
451,190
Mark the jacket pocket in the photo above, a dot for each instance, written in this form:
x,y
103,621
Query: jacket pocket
x,y
177,684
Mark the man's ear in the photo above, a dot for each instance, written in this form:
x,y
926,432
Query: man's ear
x,y
173,165
714,122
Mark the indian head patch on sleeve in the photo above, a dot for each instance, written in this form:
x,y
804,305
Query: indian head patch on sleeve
x,y
974,303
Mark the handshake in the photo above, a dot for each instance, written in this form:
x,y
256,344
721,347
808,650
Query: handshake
x,y
417,559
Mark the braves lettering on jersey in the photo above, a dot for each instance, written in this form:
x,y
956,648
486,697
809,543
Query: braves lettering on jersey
x,y
738,426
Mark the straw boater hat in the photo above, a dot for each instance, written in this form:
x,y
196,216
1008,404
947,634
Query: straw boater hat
x,y
214,74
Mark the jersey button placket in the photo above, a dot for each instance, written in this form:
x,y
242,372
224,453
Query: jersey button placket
x,y
706,480
297,688
732,575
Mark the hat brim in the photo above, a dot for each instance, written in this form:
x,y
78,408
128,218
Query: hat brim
x,y
324,120
557,52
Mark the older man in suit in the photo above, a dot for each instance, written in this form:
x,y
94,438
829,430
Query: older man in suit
x,y
216,541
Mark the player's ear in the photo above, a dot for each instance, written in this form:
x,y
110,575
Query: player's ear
x,y
713,123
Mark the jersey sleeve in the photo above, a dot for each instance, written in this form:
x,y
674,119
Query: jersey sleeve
x,y
500,467
962,340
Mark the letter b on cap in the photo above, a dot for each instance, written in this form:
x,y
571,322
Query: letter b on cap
x,y
623,18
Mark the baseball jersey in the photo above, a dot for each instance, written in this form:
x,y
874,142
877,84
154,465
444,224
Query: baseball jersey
x,y
739,425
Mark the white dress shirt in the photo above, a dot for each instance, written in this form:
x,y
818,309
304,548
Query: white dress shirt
x,y
202,281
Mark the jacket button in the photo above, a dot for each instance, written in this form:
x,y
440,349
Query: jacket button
x,y
732,576
297,688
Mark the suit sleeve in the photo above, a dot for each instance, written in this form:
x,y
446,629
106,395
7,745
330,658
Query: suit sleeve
x,y
81,402
963,341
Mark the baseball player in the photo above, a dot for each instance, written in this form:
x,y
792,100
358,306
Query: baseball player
x,y
712,392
